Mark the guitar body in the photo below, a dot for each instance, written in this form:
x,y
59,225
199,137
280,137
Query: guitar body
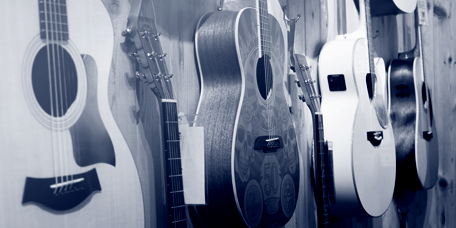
x,y
245,186
364,173
417,157
392,7
38,148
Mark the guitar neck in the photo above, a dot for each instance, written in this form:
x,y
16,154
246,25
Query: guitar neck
x,y
53,20
370,43
263,16
172,156
324,170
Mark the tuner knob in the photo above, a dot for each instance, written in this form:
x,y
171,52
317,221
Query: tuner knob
x,y
301,97
158,76
140,76
133,54
144,34
306,67
162,56
298,83
156,36
152,54
126,32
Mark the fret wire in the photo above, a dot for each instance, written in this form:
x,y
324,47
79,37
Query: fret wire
x,y
59,23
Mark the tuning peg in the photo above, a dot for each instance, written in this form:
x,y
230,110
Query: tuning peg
x,y
301,97
133,54
162,56
306,67
144,34
140,76
126,32
309,81
298,83
314,96
167,77
158,76
156,36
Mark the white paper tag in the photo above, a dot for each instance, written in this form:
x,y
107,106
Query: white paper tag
x,y
192,153
422,12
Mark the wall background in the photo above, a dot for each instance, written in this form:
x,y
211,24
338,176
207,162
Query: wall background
x,y
135,107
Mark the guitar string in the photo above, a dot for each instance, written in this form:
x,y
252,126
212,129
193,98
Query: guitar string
x,y
55,73
59,95
64,98
55,95
58,75
263,37
367,22
46,32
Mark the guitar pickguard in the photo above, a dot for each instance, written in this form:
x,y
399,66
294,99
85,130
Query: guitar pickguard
x,y
91,141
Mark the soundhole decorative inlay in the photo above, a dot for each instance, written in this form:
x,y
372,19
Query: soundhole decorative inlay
x,y
54,80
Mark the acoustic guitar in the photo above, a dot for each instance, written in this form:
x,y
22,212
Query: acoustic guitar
x,y
357,123
63,160
251,152
151,69
410,109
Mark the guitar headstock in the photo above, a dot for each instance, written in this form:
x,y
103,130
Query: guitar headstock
x,y
151,65
306,83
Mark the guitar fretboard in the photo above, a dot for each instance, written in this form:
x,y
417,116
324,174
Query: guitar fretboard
x,y
370,43
264,27
176,203
53,20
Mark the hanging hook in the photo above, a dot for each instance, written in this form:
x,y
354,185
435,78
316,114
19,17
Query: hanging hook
x,y
285,18
220,7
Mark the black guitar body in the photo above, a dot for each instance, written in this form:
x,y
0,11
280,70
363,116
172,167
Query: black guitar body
x,y
416,144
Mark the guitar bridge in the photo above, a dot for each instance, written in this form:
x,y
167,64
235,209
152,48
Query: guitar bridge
x,y
268,143
375,137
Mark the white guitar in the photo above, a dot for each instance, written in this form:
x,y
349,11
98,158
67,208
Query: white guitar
x,y
356,121
63,160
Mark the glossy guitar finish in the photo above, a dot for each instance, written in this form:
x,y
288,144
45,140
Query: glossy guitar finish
x,y
68,165
245,186
364,162
392,7
410,108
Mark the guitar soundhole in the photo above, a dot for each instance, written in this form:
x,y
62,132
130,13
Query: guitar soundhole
x,y
54,80
423,92
264,76
370,83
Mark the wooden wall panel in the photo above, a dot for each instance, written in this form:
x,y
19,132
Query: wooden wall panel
x,y
136,110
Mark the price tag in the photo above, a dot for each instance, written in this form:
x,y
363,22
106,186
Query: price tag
x,y
422,12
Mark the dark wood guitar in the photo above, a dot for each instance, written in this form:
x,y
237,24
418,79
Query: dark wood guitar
x,y
151,68
324,182
391,7
63,159
251,152
410,108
